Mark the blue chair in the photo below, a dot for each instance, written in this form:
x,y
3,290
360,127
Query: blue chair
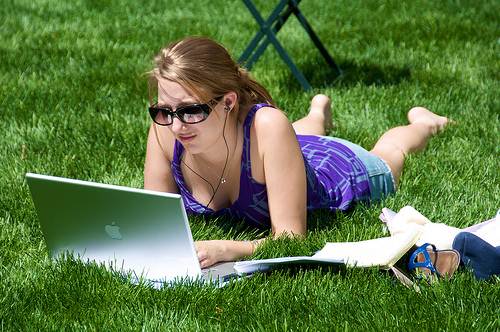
x,y
267,35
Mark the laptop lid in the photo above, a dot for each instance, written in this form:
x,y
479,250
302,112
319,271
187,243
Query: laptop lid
x,y
128,229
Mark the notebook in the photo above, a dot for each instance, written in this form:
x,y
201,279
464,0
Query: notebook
x,y
143,233
381,252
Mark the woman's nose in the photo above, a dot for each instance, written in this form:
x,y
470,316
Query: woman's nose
x,y
176,125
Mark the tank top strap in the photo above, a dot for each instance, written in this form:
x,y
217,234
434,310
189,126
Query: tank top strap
x,y
189,202
246,162
176,158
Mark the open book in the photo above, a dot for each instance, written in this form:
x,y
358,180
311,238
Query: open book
x,y
382,252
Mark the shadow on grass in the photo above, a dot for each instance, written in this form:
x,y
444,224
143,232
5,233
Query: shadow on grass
x,y
320,75
231,225
318,220
324,219
292,270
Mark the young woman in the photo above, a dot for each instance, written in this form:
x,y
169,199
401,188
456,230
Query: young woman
x,y
219,140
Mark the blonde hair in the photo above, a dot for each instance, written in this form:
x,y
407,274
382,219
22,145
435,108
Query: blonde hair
x,y
206,69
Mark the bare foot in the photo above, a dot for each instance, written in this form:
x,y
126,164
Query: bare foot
x,y
321,107
424,116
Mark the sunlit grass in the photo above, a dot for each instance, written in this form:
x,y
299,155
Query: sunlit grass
x,y
72,103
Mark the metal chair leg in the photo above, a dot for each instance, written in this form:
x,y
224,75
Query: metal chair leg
x,y
267,35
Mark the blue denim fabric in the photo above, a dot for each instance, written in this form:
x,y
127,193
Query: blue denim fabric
x,y
477,254
380,176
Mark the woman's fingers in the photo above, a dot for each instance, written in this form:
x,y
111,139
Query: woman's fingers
x,y
203,255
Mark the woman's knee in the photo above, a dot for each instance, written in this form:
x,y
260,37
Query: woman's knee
x,y
393,156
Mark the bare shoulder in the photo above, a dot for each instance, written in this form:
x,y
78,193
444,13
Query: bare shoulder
x,y
273,131
270,121
162,141
159,154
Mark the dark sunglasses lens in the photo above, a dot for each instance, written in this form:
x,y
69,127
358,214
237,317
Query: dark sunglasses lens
x,y
160,116
193,113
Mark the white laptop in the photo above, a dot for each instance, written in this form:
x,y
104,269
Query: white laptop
x,y
129,230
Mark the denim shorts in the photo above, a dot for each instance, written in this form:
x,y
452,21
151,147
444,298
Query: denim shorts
x,y
381,180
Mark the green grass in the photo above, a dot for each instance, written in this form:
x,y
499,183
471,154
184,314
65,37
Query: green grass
x,y
72,103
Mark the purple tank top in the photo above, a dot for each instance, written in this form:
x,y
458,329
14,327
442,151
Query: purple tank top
x,y
336,178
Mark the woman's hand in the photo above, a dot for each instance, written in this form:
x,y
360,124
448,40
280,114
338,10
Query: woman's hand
x,y
215,251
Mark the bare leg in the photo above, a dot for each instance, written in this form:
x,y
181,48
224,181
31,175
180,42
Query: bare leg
x,y
319,119
398,142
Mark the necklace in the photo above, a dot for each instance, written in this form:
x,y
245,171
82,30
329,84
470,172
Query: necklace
x,y
222,179
229,161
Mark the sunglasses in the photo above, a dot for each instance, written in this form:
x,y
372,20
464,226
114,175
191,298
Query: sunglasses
x,y
194,113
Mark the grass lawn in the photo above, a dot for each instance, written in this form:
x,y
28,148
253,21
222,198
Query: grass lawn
x,y
73,99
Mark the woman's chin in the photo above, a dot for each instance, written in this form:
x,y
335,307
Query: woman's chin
x,y
191,148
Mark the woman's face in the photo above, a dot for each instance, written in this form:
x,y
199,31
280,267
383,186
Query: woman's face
x,y
198,137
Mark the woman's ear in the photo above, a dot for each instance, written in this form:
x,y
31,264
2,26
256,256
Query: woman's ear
x,y
230,100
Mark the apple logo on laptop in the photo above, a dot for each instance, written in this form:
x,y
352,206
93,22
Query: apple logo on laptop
x,y
113,231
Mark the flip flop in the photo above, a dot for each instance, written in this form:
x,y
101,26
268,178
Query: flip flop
x,y
426,261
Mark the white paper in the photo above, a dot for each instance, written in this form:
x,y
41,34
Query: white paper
x,y
383,252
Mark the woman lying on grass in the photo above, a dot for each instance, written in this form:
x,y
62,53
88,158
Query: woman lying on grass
x,y
219,140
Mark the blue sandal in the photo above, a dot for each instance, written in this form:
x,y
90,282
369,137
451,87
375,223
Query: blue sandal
x,y
427,261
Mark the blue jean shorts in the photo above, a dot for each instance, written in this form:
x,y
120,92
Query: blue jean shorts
x,y
381,180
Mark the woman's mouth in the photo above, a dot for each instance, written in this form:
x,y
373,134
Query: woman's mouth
x,y
186,138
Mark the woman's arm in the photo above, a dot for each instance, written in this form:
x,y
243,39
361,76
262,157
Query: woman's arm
x,y
158,176
284,172
157,171
214,251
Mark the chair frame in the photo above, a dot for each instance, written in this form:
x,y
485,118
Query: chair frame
x,y
267,35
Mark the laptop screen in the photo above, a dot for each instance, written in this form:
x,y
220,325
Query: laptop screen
x,y
129,229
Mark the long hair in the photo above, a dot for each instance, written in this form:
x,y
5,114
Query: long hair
x,y
206,69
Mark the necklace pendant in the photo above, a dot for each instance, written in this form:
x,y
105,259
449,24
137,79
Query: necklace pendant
x,y
223,181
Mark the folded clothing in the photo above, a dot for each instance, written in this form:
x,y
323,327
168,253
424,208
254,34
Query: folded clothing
x,y
440,235
479,255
